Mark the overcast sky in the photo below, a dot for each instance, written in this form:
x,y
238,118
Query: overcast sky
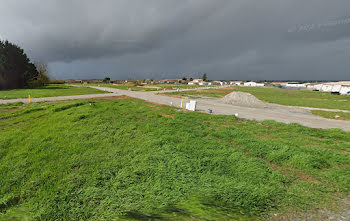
x,y
228,39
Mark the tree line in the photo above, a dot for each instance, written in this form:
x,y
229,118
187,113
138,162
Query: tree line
x,y
16,69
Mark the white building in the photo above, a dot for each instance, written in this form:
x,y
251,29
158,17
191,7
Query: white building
x,y
217,83
197,81
318,87
253,84
237,83
249,84
295,85
345,90
326,88
336,88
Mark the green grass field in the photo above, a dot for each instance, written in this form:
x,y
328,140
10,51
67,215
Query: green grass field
x,y
155,87
48,91
332,115
289,97
217,93
129,159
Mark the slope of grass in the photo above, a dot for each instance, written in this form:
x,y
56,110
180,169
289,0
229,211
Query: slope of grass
x,y
48,91
289,97
128,159
332,115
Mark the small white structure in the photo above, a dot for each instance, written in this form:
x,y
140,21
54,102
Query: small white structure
x,y
191,106
217,83
345,90
237,83
326,88
318,87
253,84
197,81
250,84
336,88
295,85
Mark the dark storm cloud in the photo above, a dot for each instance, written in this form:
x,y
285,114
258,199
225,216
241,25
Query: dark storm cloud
x,y
241,39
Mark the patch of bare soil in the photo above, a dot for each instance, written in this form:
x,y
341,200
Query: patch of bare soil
x,y
171,95
168,116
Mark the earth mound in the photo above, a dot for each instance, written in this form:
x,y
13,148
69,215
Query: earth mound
x,y
243,99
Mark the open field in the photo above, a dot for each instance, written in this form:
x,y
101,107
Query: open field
x,y
153,87
332,115
126,158
217,93
290,97
48,91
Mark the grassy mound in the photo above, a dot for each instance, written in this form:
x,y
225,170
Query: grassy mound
x,y
129,159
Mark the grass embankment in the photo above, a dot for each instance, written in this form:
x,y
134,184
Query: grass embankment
x,y
48,91
128,159
153,87
291,97
332,115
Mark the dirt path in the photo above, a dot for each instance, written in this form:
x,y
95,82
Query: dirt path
x,y
285,115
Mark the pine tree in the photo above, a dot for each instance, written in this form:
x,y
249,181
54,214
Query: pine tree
x,y
16,70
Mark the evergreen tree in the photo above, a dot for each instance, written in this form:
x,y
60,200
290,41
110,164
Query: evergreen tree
x,y
16,70
204,77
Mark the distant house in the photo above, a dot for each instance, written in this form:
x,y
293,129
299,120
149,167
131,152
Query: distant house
x,y
173,81
217,83
237,83
295,85
327,88
345,90
340,87
249,84
318,87
197,81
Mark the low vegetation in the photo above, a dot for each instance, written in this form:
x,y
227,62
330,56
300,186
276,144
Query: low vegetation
x,y
332,115
152,87
48,91
125,158
291,97
217,93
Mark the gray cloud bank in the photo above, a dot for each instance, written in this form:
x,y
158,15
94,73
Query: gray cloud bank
x,y
241,39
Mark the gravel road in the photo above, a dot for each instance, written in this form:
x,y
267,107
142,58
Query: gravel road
x,y
286,114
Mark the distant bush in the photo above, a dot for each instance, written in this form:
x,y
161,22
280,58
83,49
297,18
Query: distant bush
x,y
43,77
106,80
